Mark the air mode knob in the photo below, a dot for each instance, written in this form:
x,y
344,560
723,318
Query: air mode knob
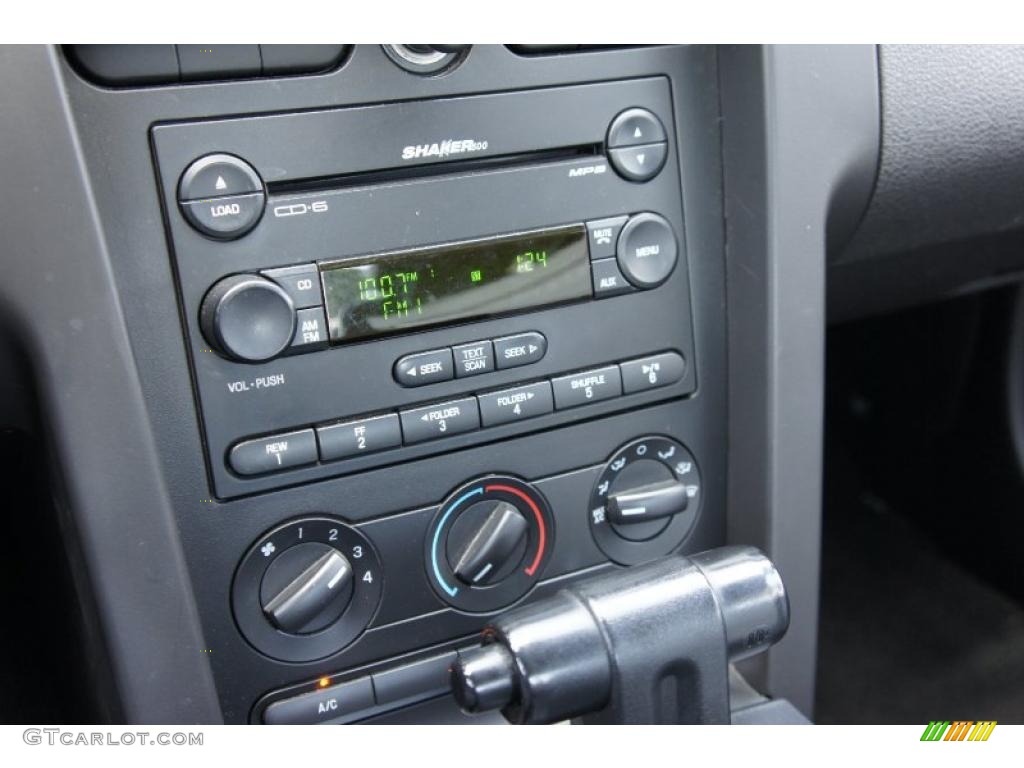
x,y
646,500
248,318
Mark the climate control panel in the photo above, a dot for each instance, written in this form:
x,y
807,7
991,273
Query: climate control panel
x,y
310,589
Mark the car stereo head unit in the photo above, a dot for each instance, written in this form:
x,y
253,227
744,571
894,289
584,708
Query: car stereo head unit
x,y
360,306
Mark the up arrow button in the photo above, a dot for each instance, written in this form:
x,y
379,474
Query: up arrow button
x,y
635,126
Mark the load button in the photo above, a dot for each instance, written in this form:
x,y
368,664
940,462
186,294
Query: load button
x,y
521,349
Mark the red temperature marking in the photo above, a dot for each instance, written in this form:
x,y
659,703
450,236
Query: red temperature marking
x,y
540,522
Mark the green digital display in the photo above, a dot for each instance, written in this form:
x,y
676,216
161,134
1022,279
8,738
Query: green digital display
x,y
395,292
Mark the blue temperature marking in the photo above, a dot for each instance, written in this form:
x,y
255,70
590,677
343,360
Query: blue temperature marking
x,y
437,535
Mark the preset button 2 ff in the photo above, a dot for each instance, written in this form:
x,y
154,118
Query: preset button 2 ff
x,y
351,438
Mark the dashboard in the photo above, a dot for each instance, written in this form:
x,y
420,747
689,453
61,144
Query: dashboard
x,y
378,341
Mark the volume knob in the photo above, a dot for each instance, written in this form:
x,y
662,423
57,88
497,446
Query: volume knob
x,y
248,318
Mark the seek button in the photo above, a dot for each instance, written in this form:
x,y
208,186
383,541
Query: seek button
x,y
424,368
521,349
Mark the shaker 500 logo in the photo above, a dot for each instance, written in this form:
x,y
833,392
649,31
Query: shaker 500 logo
x,y
443,149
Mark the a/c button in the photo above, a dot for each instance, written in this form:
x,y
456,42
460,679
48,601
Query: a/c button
x,y
322,706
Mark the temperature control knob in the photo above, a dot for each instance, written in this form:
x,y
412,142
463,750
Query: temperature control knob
x,y
488,540
489,543
248,318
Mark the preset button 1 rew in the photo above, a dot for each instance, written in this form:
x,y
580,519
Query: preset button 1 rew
x,y
273,453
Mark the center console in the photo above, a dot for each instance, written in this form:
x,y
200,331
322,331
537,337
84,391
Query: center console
x,y
418,350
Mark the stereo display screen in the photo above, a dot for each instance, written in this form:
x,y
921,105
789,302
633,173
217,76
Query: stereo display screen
x,y
395,292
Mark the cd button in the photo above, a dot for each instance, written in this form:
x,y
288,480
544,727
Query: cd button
x,y
424,368
587,387
440,420
640,163
608,279
472,359
521,349
302,283
603,236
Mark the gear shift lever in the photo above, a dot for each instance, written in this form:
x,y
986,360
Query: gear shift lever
x,y
649,644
